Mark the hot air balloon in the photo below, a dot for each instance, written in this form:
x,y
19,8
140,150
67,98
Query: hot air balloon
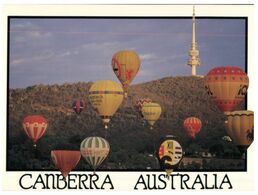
x,y
170,154
65,160
139,103
34,126
151,112
106,97
125,65
78,106
192,126
95,150
227,86
240,127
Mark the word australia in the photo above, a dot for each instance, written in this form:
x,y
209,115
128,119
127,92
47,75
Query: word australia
x,y
183,182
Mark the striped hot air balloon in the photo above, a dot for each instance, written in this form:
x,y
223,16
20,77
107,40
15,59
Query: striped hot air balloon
x,y
78,106
139,104
94,150
151,112
106,96
192,126
227,86
65,160
126,64
240,127
170,154
34,126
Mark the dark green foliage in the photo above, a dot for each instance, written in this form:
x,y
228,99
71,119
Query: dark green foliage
x,y
132,142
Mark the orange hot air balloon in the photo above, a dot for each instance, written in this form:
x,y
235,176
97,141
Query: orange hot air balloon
x,y
34,126
227,86
192,126
125,65
65,160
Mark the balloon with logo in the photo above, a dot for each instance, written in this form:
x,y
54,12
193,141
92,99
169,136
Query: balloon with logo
x,y
240,127
126,64
106,96
151,112
227,86
192,126
139,104
170,153
78,106
94,150
65,160
34,126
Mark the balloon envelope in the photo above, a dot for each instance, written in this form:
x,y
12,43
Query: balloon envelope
x,y
240,127
192,126
126,64
65,160
151,112
227,86
94,150
34,126
106,97
78,106
170,154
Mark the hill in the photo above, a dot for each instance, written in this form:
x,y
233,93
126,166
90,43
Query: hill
x,y
129,136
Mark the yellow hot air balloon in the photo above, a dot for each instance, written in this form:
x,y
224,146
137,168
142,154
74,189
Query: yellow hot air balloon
x,y
94,150
151,112
240,127
125,64
106,96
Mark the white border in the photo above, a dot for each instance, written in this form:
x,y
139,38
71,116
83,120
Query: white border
x,y
240,180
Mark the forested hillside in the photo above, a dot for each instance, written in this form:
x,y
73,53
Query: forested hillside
x,y
130,138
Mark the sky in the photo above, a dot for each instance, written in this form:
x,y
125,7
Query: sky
x,y
68,50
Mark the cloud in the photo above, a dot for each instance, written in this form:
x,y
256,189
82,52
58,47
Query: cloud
x,y
149,56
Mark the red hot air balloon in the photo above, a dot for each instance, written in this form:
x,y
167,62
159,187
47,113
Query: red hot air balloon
x,y
139,103
192,126
35,127
78,106
65,160
227,86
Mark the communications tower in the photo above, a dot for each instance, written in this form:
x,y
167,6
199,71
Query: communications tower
x,y
194,59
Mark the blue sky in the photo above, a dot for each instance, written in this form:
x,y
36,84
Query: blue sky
x,y
57,51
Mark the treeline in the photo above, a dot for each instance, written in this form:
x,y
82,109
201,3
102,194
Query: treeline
x,y
132,142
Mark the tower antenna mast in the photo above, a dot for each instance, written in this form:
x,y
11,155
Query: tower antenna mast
x,y
194,59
